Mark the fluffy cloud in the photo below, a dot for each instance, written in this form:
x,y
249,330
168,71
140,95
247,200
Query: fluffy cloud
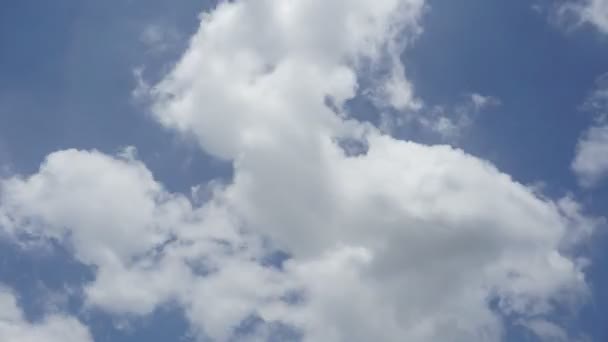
x,y
419,244
255,70
74,197
56,328
403,220
147,246
119,219
437,234
401,241
88,180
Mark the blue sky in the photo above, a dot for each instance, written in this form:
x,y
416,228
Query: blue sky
x,y
69,71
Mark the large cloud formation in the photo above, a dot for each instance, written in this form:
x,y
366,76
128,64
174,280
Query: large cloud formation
x,y
388,240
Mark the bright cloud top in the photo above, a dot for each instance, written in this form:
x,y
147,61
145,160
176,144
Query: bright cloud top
x,y
400,241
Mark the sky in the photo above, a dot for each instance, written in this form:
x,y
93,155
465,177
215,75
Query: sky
x,y
303,170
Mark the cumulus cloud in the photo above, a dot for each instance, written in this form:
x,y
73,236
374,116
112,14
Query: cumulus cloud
x,y
402,241
55,328
120,220
268,64
425,252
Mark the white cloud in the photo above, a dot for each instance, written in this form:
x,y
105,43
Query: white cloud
x,y
88,180
55,328
424,253
443,232
452,123
548,331
594,12
404,242
266,64
590,164
425,216
148,246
